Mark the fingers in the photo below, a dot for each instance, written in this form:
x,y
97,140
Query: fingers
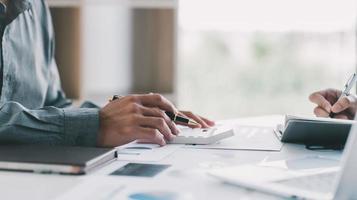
x,y
156,100
202,123
343,104
151,135
320,112
329,101
209,122
198,125
154,112
341,116
157,123
320,100
144,141
143,117
197,119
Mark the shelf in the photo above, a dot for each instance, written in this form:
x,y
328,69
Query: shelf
x,y
101,99
130,3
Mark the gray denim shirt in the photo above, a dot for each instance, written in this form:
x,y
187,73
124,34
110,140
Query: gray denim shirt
x,y
33,107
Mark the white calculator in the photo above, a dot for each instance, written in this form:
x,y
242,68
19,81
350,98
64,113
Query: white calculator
x,y
202,135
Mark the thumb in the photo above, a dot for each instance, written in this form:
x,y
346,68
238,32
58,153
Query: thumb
x,y
343,103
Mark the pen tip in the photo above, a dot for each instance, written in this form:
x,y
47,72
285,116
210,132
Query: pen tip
x,y
194,123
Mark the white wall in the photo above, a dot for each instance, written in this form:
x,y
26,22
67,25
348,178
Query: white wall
x,y
106,51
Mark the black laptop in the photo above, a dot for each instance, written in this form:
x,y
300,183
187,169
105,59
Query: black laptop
x,y
54,159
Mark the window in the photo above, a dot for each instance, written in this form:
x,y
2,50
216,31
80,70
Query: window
x,y
242,58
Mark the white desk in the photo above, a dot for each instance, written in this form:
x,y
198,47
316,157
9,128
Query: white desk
x,y
187,174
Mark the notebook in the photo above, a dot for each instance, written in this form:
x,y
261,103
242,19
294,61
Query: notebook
x,y
314,130
54,159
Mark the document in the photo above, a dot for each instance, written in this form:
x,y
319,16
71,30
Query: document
x,y
96,188
247,138
305,163
145,152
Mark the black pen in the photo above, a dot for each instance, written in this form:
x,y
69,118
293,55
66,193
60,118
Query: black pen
x,y
177,118
115,97
172,116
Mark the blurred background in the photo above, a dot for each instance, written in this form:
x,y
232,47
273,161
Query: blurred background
x,y
220,58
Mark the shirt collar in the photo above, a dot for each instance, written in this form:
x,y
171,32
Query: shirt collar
x,y
17,7
20,6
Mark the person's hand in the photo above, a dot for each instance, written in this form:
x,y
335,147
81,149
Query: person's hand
x,y
328,102
142,118
136,117
202,122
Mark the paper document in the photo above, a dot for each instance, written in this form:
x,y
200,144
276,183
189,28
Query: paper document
x,y
145,152
247,138
305,163
94,189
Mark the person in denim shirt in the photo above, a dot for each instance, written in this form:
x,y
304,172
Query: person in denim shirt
x,y
34,108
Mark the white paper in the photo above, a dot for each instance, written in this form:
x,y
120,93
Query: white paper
x,y
305,163
247,138
94,189
145,152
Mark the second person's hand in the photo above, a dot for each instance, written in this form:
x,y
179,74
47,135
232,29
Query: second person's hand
x,y
328,103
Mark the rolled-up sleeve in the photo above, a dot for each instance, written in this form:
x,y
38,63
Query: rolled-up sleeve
x,y
81,126
36,110
48,125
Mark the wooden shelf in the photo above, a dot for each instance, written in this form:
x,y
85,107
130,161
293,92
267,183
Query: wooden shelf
x,y
152,38
130,3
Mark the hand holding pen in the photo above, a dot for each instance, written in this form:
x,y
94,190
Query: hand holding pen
x,y
185,118
142,117
135,117
174,117
335,103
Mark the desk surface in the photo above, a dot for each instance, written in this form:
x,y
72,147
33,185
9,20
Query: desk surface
x,y
187,175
